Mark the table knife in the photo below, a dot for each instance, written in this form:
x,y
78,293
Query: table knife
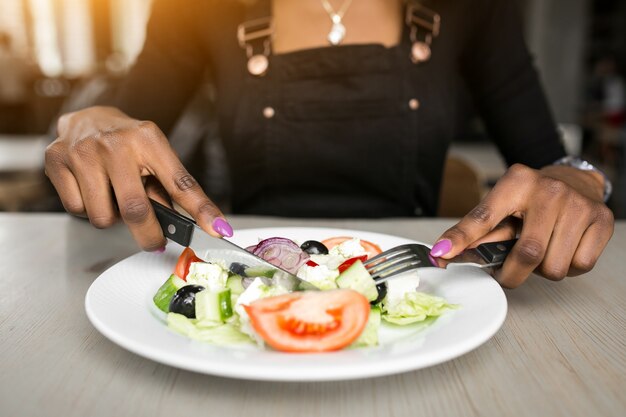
x,y
186,232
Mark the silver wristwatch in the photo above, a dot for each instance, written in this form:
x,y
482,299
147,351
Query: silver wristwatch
x,y
579,163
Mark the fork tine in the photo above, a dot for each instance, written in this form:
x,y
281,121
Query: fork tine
x,y
398,260
390,262
398,250
387,274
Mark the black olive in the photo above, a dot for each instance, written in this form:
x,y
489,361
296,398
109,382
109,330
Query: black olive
x,y
313,247
239,269
382,293
184,301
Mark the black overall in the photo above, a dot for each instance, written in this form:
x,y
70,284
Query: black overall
x,y
351,130
328,132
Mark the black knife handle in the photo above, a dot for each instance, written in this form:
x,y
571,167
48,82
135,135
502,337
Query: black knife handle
x,y
495,252
175,226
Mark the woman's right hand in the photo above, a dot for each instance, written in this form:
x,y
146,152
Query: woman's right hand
x,y
105,165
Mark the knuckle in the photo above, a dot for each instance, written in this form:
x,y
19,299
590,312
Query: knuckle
x,y
54,156
102,222
554,272
604,215
135,210
149,130
520,171
73,206
84,149
65,120
510,282
530,251
511,285
481,214
152,245
184,181
584,263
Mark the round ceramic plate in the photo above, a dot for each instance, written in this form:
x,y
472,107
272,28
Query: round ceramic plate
x,y
119,304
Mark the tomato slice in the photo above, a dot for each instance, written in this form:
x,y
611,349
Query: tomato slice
x,y
372,249
350,261
184,262
310,321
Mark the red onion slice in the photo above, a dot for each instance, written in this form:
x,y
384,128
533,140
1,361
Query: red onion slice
x,y
281,252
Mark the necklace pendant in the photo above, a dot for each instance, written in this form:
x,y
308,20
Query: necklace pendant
x,y
337,32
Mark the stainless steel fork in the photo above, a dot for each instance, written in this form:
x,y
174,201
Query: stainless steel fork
x,y
404,258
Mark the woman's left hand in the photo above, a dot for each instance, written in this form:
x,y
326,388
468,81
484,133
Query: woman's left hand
x,y
564,223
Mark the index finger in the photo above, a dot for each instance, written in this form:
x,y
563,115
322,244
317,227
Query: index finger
x,y
499,204
185,190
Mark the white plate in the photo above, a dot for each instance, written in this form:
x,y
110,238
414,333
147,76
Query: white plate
x,y
119,305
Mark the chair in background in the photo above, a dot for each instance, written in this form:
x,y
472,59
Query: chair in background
x,y
462,188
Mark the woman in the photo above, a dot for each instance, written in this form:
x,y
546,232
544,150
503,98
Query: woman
x,y
338,108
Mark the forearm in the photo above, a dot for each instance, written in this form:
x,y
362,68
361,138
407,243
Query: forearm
x,y
506,88
168,70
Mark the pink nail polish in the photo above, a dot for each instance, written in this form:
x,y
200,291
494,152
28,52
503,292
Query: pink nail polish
x,y
160,250
222,227
441,248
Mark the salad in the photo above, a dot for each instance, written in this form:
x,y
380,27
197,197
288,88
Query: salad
x,y
230,304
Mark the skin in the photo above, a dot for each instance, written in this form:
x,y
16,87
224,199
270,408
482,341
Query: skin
x,y
558,212
105,165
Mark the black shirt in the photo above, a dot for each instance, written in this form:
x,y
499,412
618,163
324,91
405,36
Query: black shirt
x,y
322,96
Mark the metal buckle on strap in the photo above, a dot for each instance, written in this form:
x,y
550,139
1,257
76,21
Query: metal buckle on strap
x,y
421,18
428,19
256,30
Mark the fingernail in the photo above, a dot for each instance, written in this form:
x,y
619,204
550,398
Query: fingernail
x,y
222,227
441,248
160,250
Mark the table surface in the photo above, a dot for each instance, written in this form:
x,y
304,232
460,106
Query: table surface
x,y
560,352
22,152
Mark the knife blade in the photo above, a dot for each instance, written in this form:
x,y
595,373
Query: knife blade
x,y
186,232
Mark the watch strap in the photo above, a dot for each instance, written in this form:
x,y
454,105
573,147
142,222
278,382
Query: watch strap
x,y
583,165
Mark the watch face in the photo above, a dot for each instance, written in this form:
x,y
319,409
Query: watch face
x,y
574,162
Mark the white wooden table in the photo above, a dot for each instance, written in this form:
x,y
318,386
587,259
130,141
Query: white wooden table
x,y
22,152
561,351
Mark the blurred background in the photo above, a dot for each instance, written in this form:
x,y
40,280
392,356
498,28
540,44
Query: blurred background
x,y
59,55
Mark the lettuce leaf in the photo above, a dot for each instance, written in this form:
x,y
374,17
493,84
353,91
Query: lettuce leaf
x,y
415,307
206,331
369,337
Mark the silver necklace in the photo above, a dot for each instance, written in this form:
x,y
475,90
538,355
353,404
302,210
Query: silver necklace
x,y
338,30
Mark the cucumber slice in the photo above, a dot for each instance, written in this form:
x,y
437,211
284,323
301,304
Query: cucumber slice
x,y
358,279
233,283
260,271
164,295
180,324
214,305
